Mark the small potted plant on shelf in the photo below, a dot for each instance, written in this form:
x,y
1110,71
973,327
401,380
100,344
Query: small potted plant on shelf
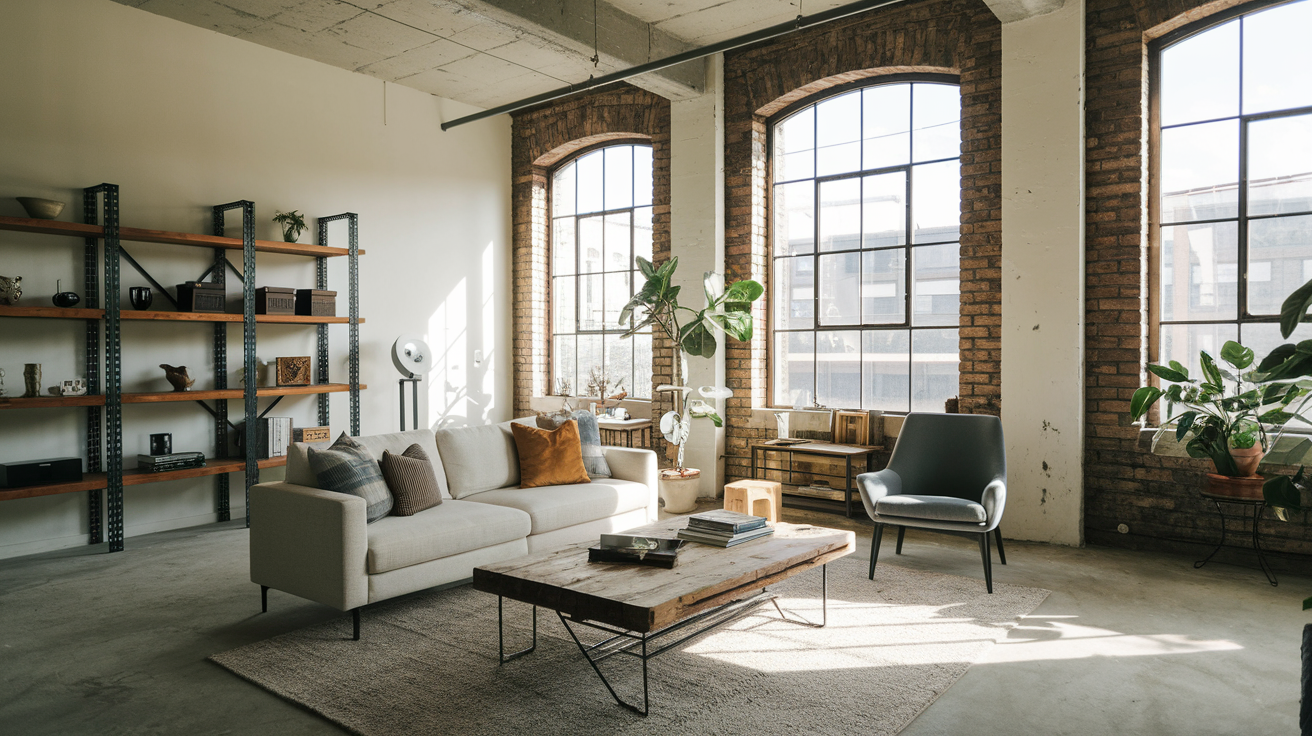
x,y
293,224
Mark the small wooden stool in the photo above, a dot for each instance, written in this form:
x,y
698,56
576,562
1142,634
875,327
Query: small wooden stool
x,y
756,498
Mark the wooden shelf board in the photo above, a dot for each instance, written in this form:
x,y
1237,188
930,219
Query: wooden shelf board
x,y
52,312
142,235
47,402
89,482
293,319
136,477
235,393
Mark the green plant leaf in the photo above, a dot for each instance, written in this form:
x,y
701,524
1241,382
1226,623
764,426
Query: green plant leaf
x,y
696,339
1277,356
746,290
645,267
1307,603
1293,309
713,285
1185,423
1176,366
1167,374
1143,399
1275,417
737,325
667,268
1236,355
1280,491
1210,373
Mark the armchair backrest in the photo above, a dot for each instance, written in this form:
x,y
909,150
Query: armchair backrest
x,y
949,454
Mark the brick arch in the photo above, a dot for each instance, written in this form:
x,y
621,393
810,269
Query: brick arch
x,y
958,37
541,138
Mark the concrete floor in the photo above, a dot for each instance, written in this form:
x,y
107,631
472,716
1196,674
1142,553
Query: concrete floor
x,y
1128,642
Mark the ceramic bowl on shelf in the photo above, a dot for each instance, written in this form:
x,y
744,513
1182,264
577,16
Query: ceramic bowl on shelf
x,y
41,209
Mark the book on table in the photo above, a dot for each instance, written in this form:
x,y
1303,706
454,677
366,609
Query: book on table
x,y
643,550
722,520
723,539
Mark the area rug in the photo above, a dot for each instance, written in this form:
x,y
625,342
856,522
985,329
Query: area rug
x,y
427,663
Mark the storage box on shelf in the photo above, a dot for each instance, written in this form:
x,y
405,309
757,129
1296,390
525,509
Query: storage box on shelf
x,y
112,477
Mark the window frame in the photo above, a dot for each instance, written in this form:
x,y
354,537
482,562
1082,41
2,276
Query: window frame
x,y
773,122
1242,218
550,175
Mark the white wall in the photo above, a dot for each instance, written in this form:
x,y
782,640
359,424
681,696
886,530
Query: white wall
x,y
182,119
697,239
1043,275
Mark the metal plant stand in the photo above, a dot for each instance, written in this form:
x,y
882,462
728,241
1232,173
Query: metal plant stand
x,y
1256,517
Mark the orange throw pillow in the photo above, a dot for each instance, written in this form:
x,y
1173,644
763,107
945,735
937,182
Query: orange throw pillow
x,y
549,457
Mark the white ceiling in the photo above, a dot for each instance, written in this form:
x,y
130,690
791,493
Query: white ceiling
x,y
491,52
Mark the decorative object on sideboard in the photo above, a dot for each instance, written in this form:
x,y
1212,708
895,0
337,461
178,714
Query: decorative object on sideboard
x,y
293,371
41,209
781,425
316,303
73,387
31,380
177,375
11,290
311,434
202,296
64,299
293,224
413,358
275,300
161,443
141,297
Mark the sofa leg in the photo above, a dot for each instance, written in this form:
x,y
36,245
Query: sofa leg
x,y
874,547
264,599
988,560
901,532
355,618
997,536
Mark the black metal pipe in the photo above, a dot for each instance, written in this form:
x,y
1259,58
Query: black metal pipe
x,y
765,34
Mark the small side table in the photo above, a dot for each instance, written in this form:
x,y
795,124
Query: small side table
x,y
748,496
1256,516
620,432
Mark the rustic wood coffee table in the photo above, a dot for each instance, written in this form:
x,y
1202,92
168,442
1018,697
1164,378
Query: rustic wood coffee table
x,y
646,611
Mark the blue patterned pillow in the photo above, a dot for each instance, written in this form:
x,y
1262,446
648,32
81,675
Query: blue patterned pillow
x,y
347,467
594,461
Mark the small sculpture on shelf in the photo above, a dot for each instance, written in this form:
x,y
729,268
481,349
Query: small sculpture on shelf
x,y
64,299
293,224
31,380
293,371
177,375
11,290
73,387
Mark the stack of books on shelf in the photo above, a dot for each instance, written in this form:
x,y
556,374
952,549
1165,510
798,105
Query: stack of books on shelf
x,y
173,461
272,437
643,550
724,528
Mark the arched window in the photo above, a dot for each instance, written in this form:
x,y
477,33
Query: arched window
x,y
1233,180
865,265
601,208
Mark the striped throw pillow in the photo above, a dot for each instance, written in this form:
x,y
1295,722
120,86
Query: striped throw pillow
x,y
347,467
411,480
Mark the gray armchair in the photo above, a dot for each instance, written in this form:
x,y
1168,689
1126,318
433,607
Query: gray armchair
x,y
948,474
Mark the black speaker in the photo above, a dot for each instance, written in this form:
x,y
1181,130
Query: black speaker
x,y
40,472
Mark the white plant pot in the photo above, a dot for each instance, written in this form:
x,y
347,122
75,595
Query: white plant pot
x,y
679,492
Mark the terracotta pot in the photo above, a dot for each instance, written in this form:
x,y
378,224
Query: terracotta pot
x,y
1247,460
1246,489
679,490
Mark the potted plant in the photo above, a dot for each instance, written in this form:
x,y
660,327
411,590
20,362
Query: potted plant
x,y
692,332
293,224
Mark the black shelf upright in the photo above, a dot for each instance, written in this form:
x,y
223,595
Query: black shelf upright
x,y
107,194
353,351
91,298
251,383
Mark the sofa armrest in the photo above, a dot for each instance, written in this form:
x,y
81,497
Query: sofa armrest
x,y
627,463
309,542
874,486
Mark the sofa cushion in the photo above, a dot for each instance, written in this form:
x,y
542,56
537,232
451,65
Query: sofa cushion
x,y
556,507
931,508
411,480
549,457
589,437
298,469
478,458
346,467
449,529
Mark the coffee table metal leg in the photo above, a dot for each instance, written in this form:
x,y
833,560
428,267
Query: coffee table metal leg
x,y
642,638
501,635
824,603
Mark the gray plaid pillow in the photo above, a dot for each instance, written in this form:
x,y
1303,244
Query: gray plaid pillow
x,y
347,467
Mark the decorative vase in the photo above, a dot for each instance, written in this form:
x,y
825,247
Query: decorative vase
x,y
141,297
31,380
679,490
64,299
41,209
290,235
1247,459
1241,489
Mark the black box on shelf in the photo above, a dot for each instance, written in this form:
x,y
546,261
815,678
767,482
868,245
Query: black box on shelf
x,y
275,300
316,303
202,296
24,473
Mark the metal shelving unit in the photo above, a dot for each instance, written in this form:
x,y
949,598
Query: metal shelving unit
x,y
105,471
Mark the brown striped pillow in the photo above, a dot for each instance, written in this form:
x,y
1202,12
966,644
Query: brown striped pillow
x,y
411,479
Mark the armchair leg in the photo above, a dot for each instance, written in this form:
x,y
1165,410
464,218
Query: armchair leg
x,y
988,560
901,532
264,599
355,618
874,547
997,535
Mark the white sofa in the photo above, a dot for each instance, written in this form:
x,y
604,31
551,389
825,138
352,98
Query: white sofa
x,y
315,543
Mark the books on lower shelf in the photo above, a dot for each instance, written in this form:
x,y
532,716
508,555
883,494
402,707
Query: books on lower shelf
x,y
273,435
173,461
643,550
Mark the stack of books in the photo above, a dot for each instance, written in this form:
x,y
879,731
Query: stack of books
x,y
724,528
654,551
174,461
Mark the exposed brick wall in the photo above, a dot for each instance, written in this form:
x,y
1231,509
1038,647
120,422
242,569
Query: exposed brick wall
x,y
1156,497
960,37
540,138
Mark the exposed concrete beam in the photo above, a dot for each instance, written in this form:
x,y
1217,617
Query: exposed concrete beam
x,y
1009,11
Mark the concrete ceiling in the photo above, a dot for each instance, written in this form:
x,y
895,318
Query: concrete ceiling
x,y
491,52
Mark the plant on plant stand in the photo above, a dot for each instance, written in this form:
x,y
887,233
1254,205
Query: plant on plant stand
x,y
293,224
691,332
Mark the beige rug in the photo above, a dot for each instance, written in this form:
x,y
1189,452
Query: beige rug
x,y
427,664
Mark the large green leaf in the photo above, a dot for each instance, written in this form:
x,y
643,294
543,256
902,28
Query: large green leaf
x,y
1210,373
713,285
1277,356
645,266
667,268
1167,374
1236,355
737,325
1176,366
1280,492
746,290
1185,423
696,339
1295,306
1143,399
